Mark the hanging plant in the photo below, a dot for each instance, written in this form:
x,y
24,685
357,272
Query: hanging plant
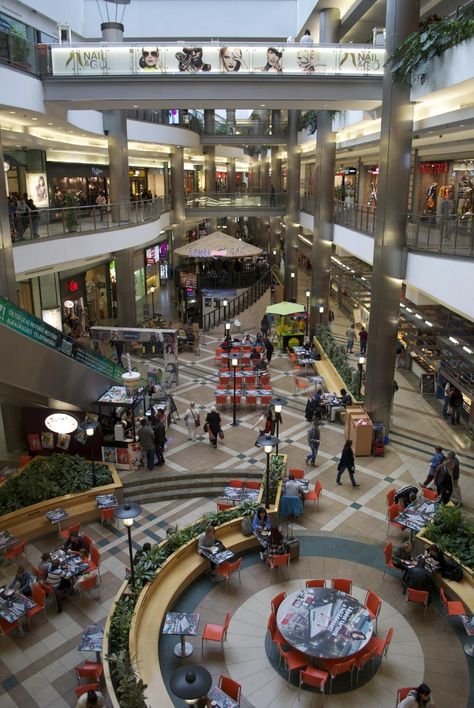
x,y
413,59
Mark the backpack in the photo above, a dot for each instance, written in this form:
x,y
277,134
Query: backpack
x,y
308,411
452,571
246,526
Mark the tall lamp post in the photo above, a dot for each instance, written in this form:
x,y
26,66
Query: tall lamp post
x,y
128,512
226,329
268,442
90,428
235,362
278,404
225,303
308,295
321,311
360,366
152,290
292,276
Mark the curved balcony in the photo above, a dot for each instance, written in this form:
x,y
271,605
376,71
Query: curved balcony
x,y
236,203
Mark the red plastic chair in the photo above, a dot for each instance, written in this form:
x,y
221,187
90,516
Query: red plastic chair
x,y
313,677
252,484
274,632
278,561
107,515
38,573
342,584
453,608
8,627
297,474
237,483
227,570
49,592
88,541
419,596
389,564
315,495
277,600
90,670
429,494
362,658
265,400
337,668
87,584
251,401
221,400
393,512
16,551
315,583
292,659
223,507
402,693
94,563
38,596
373,604
80,690
381,645
238,399
230,688
390,496
65,533
23,460
215,633
250,381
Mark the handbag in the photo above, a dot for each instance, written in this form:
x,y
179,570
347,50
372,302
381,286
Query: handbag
x,y
221,434
197,421
206,427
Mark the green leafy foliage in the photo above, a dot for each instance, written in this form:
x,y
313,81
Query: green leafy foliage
x,y
338,356
48,477
412,60
453,533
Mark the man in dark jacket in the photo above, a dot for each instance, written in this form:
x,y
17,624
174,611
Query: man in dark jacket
x,y
160,439
147,442
418,578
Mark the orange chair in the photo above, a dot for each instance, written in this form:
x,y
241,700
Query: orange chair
x,y
250,381
226,570
381,645
237,483
107,515
390,496
8,627
274,632
292,659
88,541
89,583
342,584
16,551
215,633
222,507
95,560
315,495
230,688
252,484
80,690
301,385
315,583
238,400
65,533
336,668
251,401
38,596
38,573
221,400
453,608
430,494
90,670
389,564
362,658
277,600
419,596
23,460
373,604
278,561
393,512
265,399
313,677
49,592
402,693
297,474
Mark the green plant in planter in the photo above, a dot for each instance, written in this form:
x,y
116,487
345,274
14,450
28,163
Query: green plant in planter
x,y
71,213
453,533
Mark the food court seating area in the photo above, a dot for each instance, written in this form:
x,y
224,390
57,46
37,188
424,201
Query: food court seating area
x,y
252,386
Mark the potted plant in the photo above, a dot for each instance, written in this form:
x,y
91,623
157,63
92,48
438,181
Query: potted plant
x,y
71,214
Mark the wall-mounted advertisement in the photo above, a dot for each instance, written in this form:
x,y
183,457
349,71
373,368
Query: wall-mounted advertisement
x,y
37,188
342,60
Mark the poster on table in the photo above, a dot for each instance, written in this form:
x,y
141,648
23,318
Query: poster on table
x,y
37,188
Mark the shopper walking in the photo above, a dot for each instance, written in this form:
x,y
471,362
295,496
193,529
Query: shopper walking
x,y
455,404
191,418
448,389
160,439
456,495
435,461
363,337
350,337
347,463
146,437
213,426
313,442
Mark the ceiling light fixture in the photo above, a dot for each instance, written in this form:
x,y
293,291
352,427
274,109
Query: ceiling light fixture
x,y
454,341
466,349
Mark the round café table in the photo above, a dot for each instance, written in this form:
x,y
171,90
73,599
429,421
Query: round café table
x,y
324,623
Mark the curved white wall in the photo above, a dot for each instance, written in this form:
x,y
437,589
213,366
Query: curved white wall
x,y
20,90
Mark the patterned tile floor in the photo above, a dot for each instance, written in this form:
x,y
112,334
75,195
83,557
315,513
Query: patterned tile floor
x,y
343,537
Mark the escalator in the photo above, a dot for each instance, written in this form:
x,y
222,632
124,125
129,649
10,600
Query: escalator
x,y
41,366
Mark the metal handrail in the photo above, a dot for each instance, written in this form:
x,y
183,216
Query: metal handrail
x,y
61,221
242,200
238,304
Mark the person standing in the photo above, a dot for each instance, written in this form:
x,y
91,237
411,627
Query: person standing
x,y
269,349
444,480
35,217
436,460
455,470
306,38
448,389
160,439
146,437
313,441
363,337
213,423
101,202
455,403
347,463
272,195
265,325
350,338
191,418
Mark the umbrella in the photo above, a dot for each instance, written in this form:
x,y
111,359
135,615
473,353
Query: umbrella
x,y
218,245
284,308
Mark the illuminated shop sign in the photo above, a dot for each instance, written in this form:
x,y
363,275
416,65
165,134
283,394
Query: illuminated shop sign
x,y
433,168
123,60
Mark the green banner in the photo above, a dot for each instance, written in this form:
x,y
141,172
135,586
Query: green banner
x,y
18,320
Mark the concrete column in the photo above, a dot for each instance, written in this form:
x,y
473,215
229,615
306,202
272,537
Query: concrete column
x,y
276,122
126,305
166,178
276,168
115,127
7,266
389,267
178,196
329,25
230,115
21,174
265,175
13,421
231,175
210,168
209,121
292,207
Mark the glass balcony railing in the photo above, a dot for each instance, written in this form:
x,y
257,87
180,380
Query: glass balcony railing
x,y
19,52
235,200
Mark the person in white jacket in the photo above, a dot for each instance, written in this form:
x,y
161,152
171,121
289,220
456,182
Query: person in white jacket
x,y
306,37
191,418
420,696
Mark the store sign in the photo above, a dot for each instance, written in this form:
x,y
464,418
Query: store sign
x,y
61,423
163,250
152,255
350,171
188,280
374,170
29,326
433,168
104,60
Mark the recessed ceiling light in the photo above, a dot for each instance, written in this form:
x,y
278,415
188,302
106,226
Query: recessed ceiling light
x,y
408,309
69,131
262,105
428,323
466,349
418,317
12,112
50,123
34,119
454,341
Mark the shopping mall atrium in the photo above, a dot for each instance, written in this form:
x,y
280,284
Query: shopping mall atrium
x,y
260,213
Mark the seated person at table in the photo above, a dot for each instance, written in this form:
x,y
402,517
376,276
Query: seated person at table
x,y
258,339
345,400
307,347
406,495
246,339
420,696
434,558
418,578
227,343
60,581
44,565
261,365
261,522
75,543
206,541
85,559
316,404
23,579
141,552
292,488
403,555
91,699
276,545
254,355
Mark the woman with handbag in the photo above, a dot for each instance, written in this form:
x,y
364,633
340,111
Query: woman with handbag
x,y
191,418
347,463
213,426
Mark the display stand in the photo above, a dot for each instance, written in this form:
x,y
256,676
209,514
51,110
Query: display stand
x,y
126,453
